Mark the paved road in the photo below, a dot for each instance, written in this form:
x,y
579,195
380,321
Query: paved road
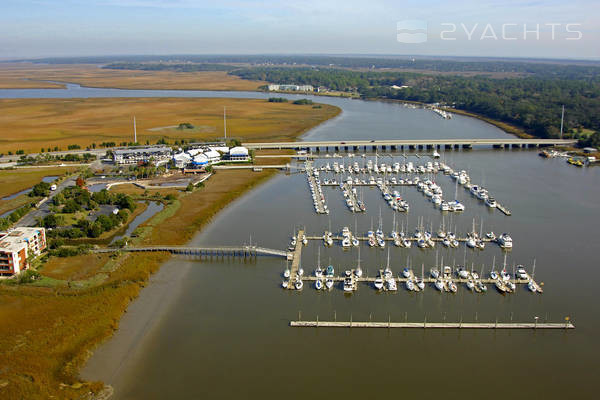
x,y
30,219
15,157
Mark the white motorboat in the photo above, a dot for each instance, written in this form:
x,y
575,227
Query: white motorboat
x,y
471,242
470,284
490,236
346,242
420,284
505,241
410,285
406,243
286,273
446,242
378,283
348,285
329,283
491,202
531,286
391,285
435,154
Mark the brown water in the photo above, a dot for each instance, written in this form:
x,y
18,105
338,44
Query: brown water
x,y
219,328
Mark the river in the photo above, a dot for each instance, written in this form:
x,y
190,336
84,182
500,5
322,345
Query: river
x,y
219,329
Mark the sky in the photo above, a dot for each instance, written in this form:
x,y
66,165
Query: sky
x,y
491,28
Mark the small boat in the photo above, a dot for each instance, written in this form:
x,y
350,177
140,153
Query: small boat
x,y
446,242
435,154
462,272
505,241
500,286
298,284
511,285
391,285
355,242
470,284
491,202
406,272
286,273
452,287
329,283
531,286
300,271
318,284
329,271
490,235
439,285
380,242
348,285
471,242
346,242
285,284
494,275
410,285
358,272
406,243
481,287
420,284
378,283
435,273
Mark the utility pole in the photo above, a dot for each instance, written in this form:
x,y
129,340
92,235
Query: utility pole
x,y
562,119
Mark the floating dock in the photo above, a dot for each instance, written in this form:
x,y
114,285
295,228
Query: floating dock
x,y
432,325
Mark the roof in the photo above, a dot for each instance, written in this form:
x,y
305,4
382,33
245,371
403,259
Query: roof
x,y
142,150
212,154
17,238
238,151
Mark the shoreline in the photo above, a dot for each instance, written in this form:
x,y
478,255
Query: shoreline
x,y
146,311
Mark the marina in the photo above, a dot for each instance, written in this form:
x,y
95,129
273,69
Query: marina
x,y
238,316
387,176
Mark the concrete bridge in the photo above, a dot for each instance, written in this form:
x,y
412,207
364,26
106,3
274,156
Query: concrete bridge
x,y
218,251
339,145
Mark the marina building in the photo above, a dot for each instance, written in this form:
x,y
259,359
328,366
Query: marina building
x,y
18,244
134,155
238,153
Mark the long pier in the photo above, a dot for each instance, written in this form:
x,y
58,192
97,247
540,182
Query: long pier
x,y
410,144
432,325
235,251
296,256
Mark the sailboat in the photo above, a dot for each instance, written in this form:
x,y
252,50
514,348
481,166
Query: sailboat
x,y
421,281
358,271
319,270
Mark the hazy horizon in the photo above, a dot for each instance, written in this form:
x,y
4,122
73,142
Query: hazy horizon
x,y
466,28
